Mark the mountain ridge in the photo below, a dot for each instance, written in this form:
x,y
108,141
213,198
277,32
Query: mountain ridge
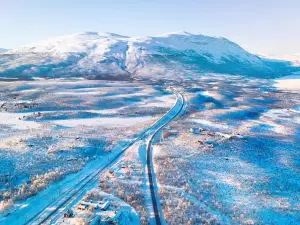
x,y
102,55
3,50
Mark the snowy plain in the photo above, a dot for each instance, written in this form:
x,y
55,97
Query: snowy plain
x,y
289,83
243,166
46,136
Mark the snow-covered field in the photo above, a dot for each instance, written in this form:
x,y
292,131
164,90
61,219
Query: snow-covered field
x,y
243,166
289,83
128,215
127,180
51,128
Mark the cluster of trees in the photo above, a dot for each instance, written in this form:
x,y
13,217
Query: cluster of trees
x,y
32,187
180,173
178,209
6,204
193,191
98,195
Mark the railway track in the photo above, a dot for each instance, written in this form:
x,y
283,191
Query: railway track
x,y
55,209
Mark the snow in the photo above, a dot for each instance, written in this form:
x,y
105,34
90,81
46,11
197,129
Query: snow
x,y
251,178
107,55
128,179
234,180
291,83
117,205
167,101
108,121
218,47
79,42
293,58
56,129
210,123
34,204
12,119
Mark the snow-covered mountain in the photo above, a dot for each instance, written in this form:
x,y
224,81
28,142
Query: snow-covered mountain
x,y
112,56
3,50
294,58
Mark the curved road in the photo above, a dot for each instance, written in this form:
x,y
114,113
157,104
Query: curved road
x,y
152,179
55,209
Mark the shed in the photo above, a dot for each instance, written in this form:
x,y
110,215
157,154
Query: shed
x,y
196,130
104,206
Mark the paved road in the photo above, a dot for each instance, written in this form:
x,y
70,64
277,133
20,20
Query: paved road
x,y
55,209
152,180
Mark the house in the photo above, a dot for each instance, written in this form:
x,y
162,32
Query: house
x,y
116,218
211,142
112,217
86,219
69,213
92,205
196,130
96,220
104,206
227,136
83,206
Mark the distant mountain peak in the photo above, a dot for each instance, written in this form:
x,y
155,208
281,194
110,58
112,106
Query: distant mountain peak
x,y
94,54
294,58
106,34
88,33
3,50
183,33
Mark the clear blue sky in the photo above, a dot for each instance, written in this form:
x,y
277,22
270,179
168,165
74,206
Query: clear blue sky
x,y
260,26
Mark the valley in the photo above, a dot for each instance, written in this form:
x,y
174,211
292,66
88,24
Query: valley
x,y
179,128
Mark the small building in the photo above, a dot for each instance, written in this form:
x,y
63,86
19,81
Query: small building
x,y
211,142
104,206
96,220
196,130
112,217
227,136
116,217
86,219
83,206
69,213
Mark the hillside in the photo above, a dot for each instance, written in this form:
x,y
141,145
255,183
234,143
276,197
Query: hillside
x,y
112,56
